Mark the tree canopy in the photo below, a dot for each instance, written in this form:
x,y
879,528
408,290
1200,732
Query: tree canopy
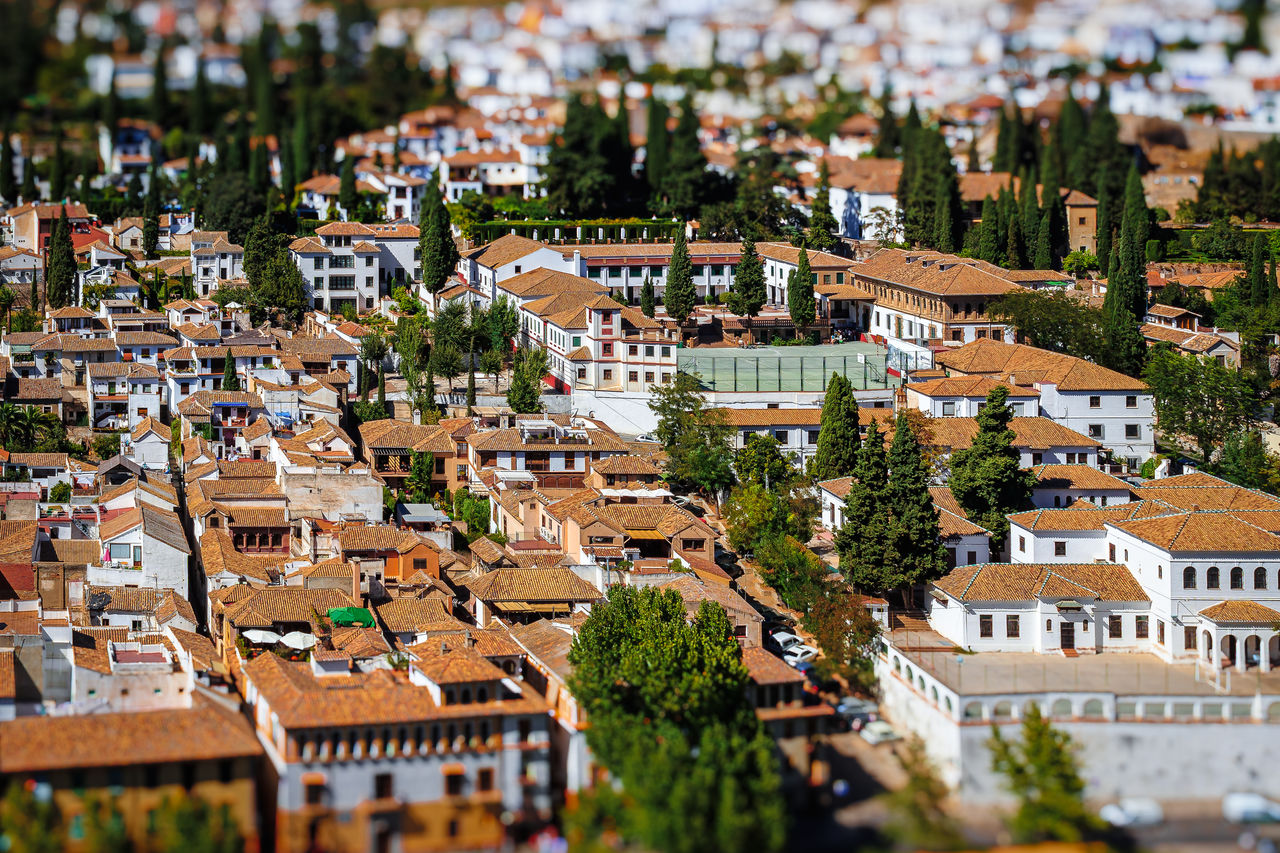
x,y
986,477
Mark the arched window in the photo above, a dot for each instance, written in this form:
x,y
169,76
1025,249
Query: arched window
x,y
1093,708
1259,578
1211,578
1003,711
1061,708
973,711
1237,577
1189,577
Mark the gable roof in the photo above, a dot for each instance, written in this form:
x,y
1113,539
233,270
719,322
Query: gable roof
x,y
1027,581
519,585
1025,365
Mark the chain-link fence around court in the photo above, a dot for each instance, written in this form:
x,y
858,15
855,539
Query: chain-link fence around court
x,y
787,369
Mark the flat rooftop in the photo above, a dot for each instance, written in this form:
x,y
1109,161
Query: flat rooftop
x,y
1119,673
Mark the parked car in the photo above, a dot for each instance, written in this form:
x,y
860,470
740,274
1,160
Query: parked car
x,y
648,437
1134,811
859,712
799,653
878,731
1241,807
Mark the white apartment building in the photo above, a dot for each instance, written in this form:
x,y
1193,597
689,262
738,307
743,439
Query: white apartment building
x,y
1116,410
340,266
214,258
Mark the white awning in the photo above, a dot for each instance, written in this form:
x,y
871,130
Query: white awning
x,y
298,640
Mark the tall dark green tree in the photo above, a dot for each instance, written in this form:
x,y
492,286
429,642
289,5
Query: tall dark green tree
x,y
680,295
60,280
1043,259
749,292
160,113
151,213
8,177
1257,275
822,224
684,184
838,432
865,540
986,477
348,197
1015,257
198,107
947,224
1126,301
915,519
438,250
230,379
656,146
800,299
29,192
989,233
887,136
648,301
58,171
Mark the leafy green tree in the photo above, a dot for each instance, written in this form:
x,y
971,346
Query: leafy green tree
x,y
418,483
917,538
696,437
917,820
761,461
7,298
986,477
373,352
60,281
187,823
680,294
755,515
1054,321
1043,259
685,179
838,432
800,300
446,362
230,204
30,825
793,571
1245,461
822,224
1078,263
670,719
1257,274
438,250
1041,771
504,325
749,292
260,246
278,292
1126,301
58,171
527,373
28,192
648,302
1198,397
491,365
887,134
846,632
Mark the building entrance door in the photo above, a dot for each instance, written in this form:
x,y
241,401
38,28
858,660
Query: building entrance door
x,y
1068,635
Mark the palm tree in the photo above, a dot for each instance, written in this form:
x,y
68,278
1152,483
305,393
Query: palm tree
x,y
6,304
8,415
38,428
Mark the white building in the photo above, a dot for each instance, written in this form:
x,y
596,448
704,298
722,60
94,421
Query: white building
x,y
146,547
214,258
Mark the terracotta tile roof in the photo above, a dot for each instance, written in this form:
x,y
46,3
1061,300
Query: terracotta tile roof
x,y
625,465
762,417
218,555
202,402
202,733
264,608
142,339
504,250
323,349
301,700
944,499
1086,516
1076,477
488,551
953,526
82,552
1027,581
548,644
1025,365
1203,491
359,643
495,642
766,668
1249,612
1201,531
840,486
934,273
18,540
449,660
20,623
150,424
173,606
512,440
201,648
36,389
8,681
1030,433
402,435
379,537
968,386
694,592
544,282
532,585
416,615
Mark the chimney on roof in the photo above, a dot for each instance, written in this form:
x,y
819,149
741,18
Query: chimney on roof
x,y
468,640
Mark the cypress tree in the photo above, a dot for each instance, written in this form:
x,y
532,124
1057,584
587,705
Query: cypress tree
x,y
58,171
680,295
260,169
1257,275
648,302
986,477
656,145
838,432
1071,131
972,166
435,240
800,302
1028,208
151,214
887,137
822,225
288,173
1006,210
28,191
160,90
8,178
60,282
198,103
1113,263
230,381
1133,245
944,222
989,233
301,143
348,198
686,165
1273,288
1015,257
749,293
1003,159
915,519
865,541
1043,259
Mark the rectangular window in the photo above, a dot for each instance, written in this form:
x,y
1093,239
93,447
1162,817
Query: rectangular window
x,y
948,410
419,565
1132,431
454,783
1160,632
780,435
633,376
1095,431
1022,544
1095,401
440,466
484,779
368,261
1141,627
1059,549
1131,401
984,625
648,376
608,374
633,350
382,786
813,436
1189,638
1012,628
582,373
1115,627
